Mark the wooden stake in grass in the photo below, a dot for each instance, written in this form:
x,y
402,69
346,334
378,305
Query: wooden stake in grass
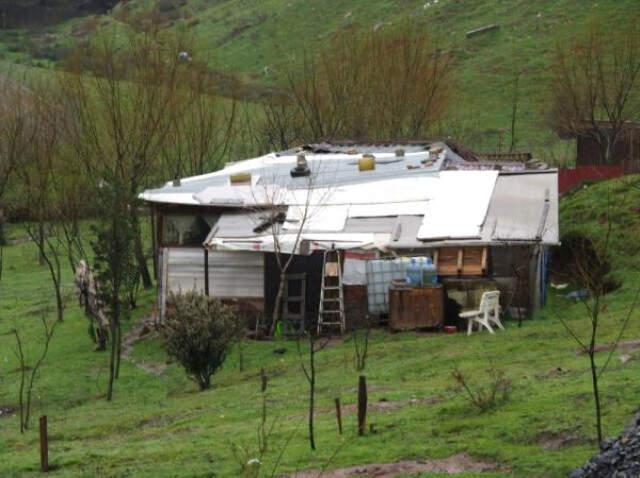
x,y
362,405
44,445
339,415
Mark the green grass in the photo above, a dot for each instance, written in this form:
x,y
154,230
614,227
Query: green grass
x,y
261,40
161,426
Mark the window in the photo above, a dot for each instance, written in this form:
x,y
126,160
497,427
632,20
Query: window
x,y
186,229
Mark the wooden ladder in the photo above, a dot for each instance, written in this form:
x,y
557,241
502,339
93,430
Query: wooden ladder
x,y
331,312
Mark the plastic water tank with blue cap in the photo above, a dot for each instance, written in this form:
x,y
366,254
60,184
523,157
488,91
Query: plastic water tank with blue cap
x,y
414,273
429,272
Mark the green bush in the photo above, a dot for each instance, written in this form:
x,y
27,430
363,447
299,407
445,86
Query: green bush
x,y
198,332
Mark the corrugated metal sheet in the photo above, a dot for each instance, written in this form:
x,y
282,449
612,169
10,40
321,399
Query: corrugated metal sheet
x,y
231,274
383,225
236,274
316,218
236,224
460,205
524,207
185,269
327,170
405,233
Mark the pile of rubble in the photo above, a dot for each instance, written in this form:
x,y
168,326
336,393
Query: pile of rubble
x,y
619,458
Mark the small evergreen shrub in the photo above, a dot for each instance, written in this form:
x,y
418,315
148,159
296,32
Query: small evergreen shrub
x,y
198,332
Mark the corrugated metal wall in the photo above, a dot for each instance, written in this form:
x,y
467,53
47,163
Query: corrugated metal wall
x,y
231,274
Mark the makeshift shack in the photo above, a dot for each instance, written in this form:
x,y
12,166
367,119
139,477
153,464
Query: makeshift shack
x,y
484,225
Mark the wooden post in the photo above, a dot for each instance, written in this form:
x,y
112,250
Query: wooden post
x,y
206,271
362,405
44,445
339,415
154,243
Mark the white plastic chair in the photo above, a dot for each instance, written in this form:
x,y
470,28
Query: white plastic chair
x,y
489,311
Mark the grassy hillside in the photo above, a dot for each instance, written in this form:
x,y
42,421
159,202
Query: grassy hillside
x,y
159,425
262,39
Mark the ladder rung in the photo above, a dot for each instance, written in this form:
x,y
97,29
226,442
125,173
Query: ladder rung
x,y
331,299
331,323
331,312
331,287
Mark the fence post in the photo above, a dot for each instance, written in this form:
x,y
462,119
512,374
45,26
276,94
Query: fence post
x,y
362,405
339,415
44,445
206,271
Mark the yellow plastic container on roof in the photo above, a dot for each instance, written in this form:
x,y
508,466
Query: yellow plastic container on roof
x,y
240,178
367,162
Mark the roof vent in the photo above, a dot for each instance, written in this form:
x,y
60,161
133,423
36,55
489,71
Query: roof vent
x,y
400,153
177,183
302,167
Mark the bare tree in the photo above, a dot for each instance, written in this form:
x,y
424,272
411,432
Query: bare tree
x,y
28,373
361,346
393,83
120,102
36,173
309,369
120,106
273,203
589,266
595,87
202,124
15,130
14,127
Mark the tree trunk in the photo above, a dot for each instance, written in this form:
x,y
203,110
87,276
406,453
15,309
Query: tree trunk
x,y
596,395
112,358
362,404
312,393
114,325
118,349
101,339
59,302
145,275
41,239
277,308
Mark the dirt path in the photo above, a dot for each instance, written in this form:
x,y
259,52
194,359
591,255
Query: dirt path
x,y
459,463
142,328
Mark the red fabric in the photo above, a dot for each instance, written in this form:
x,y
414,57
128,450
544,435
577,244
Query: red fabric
x,y
361,255
571,178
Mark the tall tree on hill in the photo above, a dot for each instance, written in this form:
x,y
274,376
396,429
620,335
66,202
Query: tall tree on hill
x,y
142,110
376,85
35,189
595,86
137,108
118,101
202,124
14,138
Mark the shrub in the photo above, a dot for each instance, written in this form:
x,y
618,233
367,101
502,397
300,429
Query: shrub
x,y
487,396
198,332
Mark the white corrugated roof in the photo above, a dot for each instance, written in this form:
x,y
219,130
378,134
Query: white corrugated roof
x,y
410,202
524,207
460,205
519,208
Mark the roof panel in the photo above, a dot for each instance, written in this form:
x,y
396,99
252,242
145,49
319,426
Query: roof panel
x,y
518,211
460,205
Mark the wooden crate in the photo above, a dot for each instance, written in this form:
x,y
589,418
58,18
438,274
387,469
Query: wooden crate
x,y
461,261
416,308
